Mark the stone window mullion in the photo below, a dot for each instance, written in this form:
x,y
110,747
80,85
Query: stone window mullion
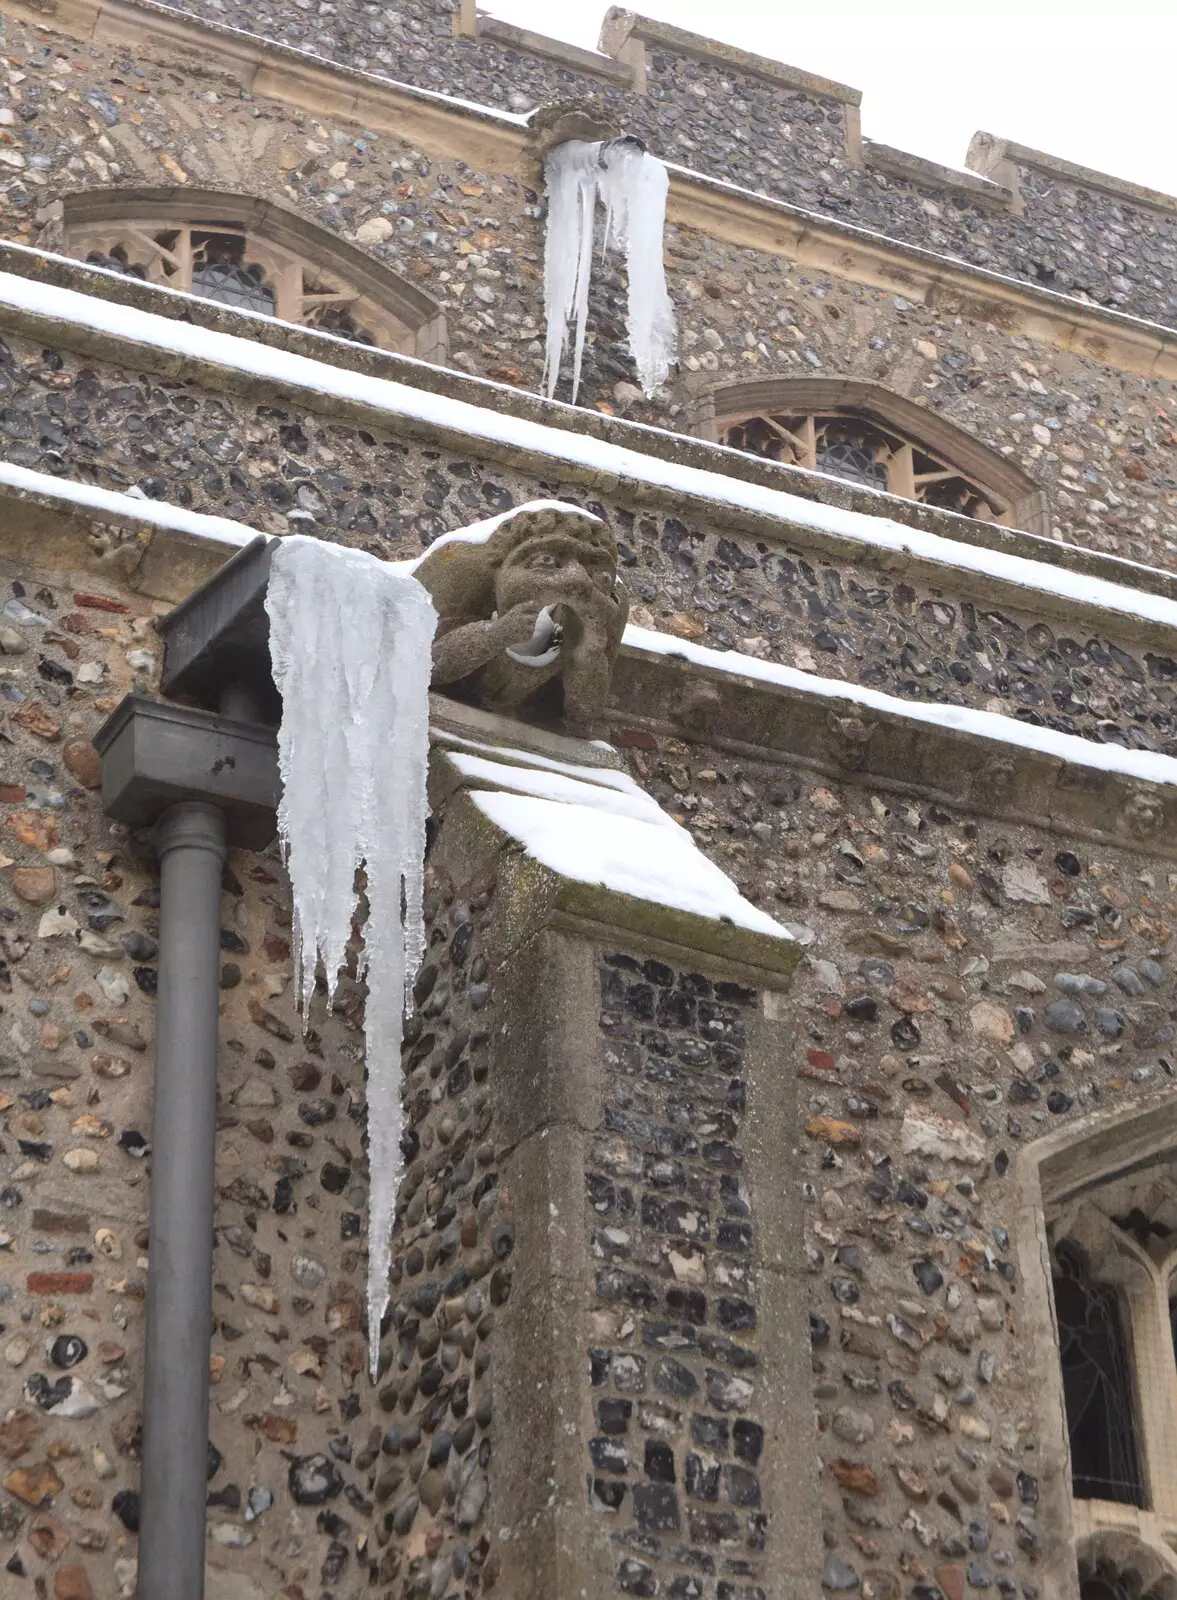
x,y
1155,1376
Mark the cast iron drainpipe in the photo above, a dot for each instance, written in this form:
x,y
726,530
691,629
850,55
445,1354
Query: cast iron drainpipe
x,y
205,780
190,840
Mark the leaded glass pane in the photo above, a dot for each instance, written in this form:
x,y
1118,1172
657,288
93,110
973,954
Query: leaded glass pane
x,y
232,285
1097,1384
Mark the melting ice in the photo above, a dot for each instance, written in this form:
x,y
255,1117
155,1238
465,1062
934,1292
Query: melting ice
x,y
350,643
632,186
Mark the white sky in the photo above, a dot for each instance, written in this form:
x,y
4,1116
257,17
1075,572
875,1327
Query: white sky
x,y
1091,82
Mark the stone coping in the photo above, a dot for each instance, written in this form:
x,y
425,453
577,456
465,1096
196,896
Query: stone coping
x,y
529,43
932,174
654,442
989,153
618,26
658,697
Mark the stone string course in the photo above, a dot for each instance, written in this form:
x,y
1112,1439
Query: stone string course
x,y
673,1361
1101,443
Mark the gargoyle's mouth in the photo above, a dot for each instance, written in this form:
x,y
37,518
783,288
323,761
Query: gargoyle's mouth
x,y
544,645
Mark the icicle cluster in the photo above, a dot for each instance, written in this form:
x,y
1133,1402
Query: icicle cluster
x,y
350,643
632,186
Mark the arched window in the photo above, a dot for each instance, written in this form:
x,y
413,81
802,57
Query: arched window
x,y
257,256
865,434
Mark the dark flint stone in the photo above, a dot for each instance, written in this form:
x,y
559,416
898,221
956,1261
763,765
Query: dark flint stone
x,y
901,1396
741,1487
863,1008
748,1440
905,1034
46,1394
608,1456
606,1494
928,1276
710,1432
655,1507
334,1178
125,1506
67,1350
613,1415
659,1461
672,1377
701,1478
635,1577
313,1480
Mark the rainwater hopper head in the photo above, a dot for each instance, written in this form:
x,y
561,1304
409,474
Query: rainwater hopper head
x,y
217,641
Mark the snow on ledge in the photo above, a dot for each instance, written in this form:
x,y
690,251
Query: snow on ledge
x,y
127,507
609,834
298,372
1144,765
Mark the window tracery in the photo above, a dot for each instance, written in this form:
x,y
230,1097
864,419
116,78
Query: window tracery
x,y
254,256
1118,1565
863,433
846,444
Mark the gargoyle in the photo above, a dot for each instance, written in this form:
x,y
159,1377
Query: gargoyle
x,y
530,611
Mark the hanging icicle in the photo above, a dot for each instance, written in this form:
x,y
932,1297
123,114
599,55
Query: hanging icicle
x,y
632,185
350,643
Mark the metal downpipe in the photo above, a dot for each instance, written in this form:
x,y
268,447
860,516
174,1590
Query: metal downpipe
x,y
190,841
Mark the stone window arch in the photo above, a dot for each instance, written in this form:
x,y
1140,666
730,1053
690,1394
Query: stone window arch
x,y
864,433
1115,1565
255,255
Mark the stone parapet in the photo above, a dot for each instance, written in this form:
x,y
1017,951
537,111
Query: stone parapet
x,y
619,26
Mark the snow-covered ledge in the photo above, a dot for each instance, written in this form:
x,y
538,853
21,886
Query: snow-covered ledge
x,y
595,856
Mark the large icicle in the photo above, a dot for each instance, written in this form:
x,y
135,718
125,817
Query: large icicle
x,y
350,643
571,171
632,185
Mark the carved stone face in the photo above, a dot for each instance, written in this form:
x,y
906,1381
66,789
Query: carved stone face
x,y
532,611
554,569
